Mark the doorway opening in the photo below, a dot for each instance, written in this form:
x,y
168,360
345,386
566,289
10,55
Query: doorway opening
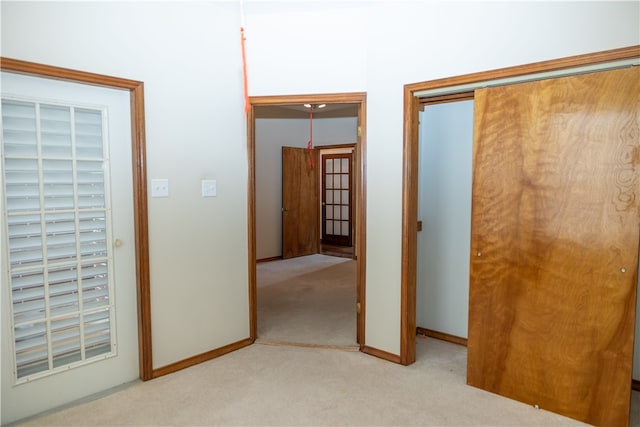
x,y
448,90
295,228
337,201
451,89
444,210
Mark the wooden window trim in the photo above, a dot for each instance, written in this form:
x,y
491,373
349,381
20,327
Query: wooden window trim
x,y
139,164
412,107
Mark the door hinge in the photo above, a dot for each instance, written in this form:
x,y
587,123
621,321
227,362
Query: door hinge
x,y
358,308
359,131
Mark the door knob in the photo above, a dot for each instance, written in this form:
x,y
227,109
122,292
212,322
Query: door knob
x,y
285,209
117,243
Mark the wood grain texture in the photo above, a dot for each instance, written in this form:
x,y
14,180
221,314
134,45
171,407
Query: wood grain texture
x,y
251,224
536,67
66,74
360,246
410,156
381,354
317,98
300,202
409,266
555,243
141,227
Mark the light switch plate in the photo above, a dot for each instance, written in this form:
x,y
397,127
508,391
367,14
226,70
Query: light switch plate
x,y
159,188
209,188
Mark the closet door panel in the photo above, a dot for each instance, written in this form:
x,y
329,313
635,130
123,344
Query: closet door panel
x,y
555,243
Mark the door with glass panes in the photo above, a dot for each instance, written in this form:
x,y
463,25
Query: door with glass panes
x,y
337,199
69,320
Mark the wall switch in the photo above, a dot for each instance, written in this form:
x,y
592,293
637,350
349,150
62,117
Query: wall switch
x,y
159,188
209,188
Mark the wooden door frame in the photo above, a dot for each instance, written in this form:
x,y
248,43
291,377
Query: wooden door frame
x,y
354,168
139,165
322,195
359,98
410,165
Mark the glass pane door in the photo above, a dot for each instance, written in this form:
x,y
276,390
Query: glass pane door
x,y
336,199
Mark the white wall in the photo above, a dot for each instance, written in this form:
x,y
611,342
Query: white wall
x,y
444,207
271,136
188,55
486,35
195,130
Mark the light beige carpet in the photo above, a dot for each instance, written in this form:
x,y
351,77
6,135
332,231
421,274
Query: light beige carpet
x,y
307,300
264,385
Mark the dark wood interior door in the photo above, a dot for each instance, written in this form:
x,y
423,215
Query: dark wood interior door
x,y
300,202
337,196
555,243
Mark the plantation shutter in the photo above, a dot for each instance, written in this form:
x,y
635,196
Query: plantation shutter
x,y
55,167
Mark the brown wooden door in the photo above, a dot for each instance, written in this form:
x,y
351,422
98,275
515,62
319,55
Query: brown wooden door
x,y
555,243
300,202
337,199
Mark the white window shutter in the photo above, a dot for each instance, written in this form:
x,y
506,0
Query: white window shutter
x,y
57,219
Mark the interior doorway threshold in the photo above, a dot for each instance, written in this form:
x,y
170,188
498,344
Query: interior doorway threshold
x,y
354,347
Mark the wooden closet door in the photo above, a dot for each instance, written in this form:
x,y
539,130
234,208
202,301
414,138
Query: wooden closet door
x,y
555,243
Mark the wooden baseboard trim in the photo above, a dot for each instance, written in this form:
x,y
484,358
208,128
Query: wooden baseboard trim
x,y
381,354
441,336
635,385
199,358
273,258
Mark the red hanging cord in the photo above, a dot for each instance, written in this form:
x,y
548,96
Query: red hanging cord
x,y
247,103
310,143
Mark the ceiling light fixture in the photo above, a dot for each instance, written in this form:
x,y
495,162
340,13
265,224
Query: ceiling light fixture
x,y
314,106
